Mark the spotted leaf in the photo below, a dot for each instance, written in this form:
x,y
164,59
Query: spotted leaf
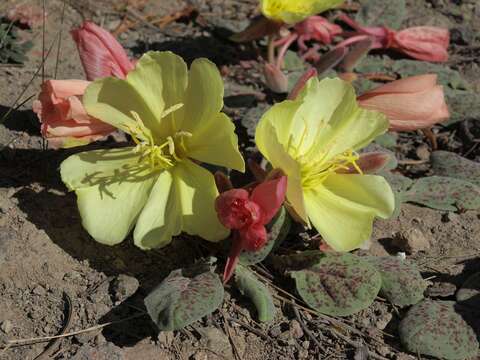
x,y
338,284
185,296
436,329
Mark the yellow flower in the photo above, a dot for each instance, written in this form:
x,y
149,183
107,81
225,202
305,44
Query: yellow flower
x,y
173,116
312,139
293,11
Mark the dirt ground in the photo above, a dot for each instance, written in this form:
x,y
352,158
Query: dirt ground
x,y
45,253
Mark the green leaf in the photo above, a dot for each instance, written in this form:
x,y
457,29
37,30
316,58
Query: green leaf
x,y
338,284
251,287
445,163
402,283
184,296
382,13
463,105
293,62
446,76
434,328
387,140
444,193
277,230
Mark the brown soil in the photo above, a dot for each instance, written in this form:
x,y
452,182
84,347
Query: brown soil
x,y
45,253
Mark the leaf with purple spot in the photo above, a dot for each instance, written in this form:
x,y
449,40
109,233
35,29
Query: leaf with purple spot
x,y
444,193
337,284
445,163
402,283
185,296
436,329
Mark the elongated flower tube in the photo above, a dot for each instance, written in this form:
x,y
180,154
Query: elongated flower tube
x,y
293,11
313,140
173,116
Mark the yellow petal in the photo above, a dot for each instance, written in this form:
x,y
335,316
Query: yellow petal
x,y
161,79
292,11
197,192
204,96
113,100
343,224
342,209
371,191
268,144
161,218
216,143
100,166
109,211
334,121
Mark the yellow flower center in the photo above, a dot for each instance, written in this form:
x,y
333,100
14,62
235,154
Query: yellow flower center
x,y
316,171
315,168
158,156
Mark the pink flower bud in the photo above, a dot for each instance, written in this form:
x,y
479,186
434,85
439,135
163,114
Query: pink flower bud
x,y
100,53
235,210
275,79
64,119
247,214
426,43
412,103
368,163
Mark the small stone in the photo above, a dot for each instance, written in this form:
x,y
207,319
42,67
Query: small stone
x,y
423,152
84,338
124,286
165,338
6,326
39,290
450,217
303,354
411,241
383,321
275,331
441,289
383,350
200,355
306,344
296,329
216,340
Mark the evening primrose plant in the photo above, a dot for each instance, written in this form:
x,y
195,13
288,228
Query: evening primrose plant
x,y
314,140
156,186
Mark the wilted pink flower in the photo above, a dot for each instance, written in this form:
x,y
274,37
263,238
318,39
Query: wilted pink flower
x,y
428,43
64,119
412,103
247,214
316,28
100,53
